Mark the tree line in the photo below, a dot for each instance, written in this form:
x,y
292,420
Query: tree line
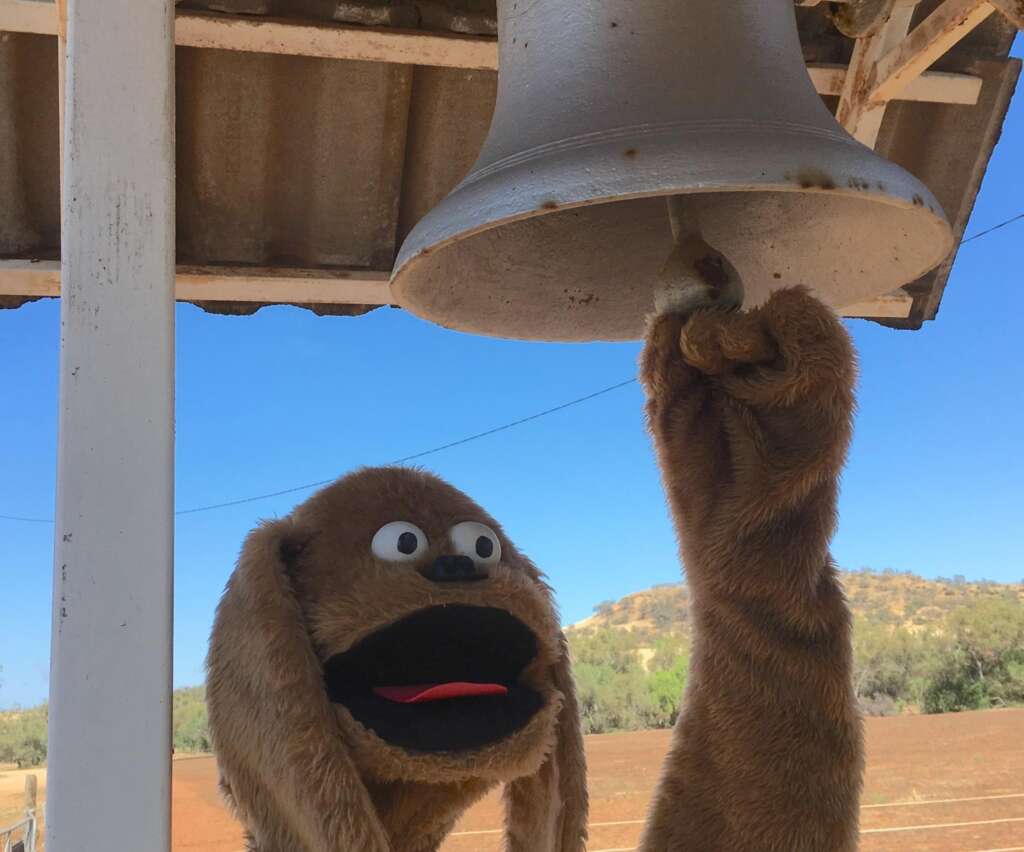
x,y
631,680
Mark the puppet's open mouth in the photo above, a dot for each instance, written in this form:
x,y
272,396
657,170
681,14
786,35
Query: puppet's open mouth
x,y
445,678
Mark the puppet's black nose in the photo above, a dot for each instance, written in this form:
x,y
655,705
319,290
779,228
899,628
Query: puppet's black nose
x,y
455,569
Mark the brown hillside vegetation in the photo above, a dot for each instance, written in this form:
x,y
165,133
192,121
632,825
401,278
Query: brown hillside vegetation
x,y
919,645
890,598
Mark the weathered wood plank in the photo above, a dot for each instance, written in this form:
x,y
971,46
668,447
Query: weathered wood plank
x,y
333,41
224,284
930,39
302,286
862,118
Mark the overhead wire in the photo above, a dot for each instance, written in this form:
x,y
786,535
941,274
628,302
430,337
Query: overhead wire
x,y
404,460
452,444
988,231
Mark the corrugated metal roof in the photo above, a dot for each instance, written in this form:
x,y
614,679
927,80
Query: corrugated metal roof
x,y
306,163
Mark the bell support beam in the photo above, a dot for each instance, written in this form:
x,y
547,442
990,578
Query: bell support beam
x,y
41,279
936,87
332,41
28,16
110,670
862,117
930,40
883,71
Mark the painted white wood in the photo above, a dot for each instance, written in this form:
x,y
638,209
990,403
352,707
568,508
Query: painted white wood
x,y
110,671
931,39
857,113
292,286
894,305
332,41
28,16
936,87
41,278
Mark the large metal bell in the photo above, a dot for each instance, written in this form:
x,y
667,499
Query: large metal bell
x,y
604,108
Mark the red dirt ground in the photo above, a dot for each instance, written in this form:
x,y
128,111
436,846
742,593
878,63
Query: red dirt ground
x,y
951,783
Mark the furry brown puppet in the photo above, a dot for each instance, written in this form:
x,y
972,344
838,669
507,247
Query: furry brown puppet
x,y
751,415
381,658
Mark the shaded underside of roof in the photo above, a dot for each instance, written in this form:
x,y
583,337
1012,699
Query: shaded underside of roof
x,y
293,162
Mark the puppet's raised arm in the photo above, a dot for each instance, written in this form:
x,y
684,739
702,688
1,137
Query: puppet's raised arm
x,y
751,415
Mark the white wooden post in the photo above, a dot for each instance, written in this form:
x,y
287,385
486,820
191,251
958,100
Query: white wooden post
x,y
110,671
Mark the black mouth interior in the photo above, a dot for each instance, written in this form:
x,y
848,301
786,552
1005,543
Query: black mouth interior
x,y
438,645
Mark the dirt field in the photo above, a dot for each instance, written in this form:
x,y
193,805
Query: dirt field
x,y
950,783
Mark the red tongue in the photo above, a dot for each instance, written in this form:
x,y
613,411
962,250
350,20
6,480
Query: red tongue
x,y
437,691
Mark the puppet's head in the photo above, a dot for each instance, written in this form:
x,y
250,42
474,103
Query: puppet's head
x,y
388,632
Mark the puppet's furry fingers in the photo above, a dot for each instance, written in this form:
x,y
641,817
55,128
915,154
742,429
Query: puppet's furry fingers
x,y
791,349
716,342
663,371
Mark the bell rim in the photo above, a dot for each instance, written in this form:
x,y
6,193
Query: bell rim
x,y
410,256
833,171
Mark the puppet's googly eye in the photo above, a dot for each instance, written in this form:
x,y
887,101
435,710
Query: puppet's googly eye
x,y
477,541
399,541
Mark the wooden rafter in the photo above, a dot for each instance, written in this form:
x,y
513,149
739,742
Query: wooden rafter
x,y
862,117
936,87
930,39
36,279
886,65
333,41
29,16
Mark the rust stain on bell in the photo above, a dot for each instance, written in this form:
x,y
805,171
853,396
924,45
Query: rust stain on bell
x,y
815,179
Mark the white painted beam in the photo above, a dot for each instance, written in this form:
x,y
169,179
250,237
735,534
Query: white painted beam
x,y
295,286
221,284
301,286
936,87
857,113
333,41
28,16
931,39
371,44
110,665
895,305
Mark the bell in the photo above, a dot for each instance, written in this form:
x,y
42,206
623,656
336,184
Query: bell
x,y
606,108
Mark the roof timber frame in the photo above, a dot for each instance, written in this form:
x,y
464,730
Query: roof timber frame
x,y
299,286
889,65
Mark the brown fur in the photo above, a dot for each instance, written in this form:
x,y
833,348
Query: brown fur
x,y
751,414
301,773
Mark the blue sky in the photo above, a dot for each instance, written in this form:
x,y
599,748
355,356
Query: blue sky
x,y
934,484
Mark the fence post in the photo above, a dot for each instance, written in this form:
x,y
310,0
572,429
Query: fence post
x,y
31,798
31,792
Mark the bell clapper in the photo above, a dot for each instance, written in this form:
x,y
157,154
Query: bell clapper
x,y
696,275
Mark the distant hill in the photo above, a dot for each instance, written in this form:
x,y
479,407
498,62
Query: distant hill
x,y
897,599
